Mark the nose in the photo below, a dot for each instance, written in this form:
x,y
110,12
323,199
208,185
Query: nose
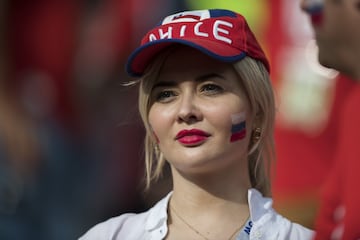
x,y
189,111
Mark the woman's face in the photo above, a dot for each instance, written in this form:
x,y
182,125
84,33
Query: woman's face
x,y
199,113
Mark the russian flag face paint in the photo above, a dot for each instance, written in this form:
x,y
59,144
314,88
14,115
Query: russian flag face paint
x,y
238,128
314,6
315,9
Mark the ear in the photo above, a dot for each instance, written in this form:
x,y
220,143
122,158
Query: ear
x,y
257,123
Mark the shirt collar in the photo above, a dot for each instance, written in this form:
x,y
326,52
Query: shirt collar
x,y
158,214
258,206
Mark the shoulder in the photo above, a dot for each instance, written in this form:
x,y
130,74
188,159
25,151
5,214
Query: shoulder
x,y
131,225
268,224
113,227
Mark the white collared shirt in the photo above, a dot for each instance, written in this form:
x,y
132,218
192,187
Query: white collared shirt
x,y
152,224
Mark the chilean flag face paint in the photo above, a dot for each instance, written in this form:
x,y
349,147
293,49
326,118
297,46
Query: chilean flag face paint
x,y
238,128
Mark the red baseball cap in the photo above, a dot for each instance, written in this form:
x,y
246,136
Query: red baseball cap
x,y
221,34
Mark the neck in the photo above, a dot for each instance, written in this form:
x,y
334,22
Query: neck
x,y
352,71
201,203
355,75
217,194
350,65
205,196
226,185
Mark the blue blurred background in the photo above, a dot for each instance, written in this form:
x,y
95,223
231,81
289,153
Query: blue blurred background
x,y
71,140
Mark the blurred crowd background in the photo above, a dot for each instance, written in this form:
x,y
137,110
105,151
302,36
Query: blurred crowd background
x,y
71,140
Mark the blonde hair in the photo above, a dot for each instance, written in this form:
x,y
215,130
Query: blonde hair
x,y
256,82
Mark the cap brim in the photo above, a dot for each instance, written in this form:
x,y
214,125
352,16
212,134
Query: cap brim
x,y
140,58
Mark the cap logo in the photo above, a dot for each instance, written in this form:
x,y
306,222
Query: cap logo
x,y
187,16
219,33
218,29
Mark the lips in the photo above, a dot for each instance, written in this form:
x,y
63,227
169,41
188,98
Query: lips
x,y
191,137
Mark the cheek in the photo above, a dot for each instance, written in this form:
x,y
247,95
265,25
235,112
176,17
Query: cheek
x,y
159,122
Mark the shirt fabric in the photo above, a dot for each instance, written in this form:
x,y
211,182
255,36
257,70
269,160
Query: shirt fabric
x,y
339,216
152,224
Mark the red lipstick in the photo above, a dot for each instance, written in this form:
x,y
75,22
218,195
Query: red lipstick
x,y
191,137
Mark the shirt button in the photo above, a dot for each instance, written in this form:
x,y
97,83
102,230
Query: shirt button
x,y
257,234
162,232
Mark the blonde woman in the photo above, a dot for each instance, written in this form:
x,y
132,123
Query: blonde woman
x,y
208,108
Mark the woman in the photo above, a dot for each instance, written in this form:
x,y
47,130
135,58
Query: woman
x,y
208,108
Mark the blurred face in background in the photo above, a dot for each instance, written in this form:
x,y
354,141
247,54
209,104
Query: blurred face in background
x,y
337,31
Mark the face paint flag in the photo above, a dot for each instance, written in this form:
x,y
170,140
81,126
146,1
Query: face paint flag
x,y
238,131
238,128
314,7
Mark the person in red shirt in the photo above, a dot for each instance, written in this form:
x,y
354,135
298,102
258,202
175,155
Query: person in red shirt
x,y
336,27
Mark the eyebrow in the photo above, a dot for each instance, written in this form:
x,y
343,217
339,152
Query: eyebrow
x,y
209,76
200,78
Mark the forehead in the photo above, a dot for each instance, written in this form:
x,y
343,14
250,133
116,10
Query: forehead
x,y
188,61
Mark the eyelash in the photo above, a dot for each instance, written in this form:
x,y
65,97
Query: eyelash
x,y
164,96
211,89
